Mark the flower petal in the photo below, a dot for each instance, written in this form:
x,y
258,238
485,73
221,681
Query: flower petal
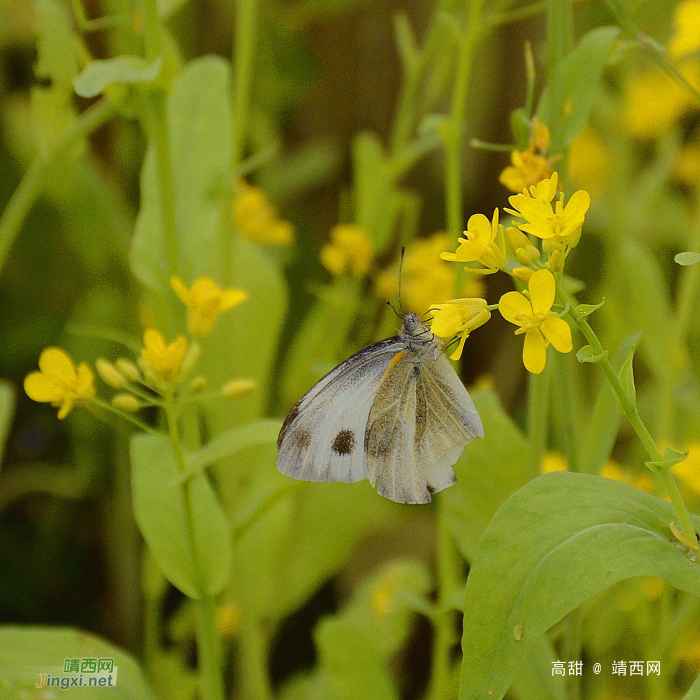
x,y
480,227
578,205
231,298
180,289
66,407
458,352
542,289
38,388
534,351
512,306
558,333
470,251
57,362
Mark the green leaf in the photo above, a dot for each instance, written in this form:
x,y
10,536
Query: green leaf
x,y
626,375
587,354
56,66
554,544
260,432
588,309
166,513
25,652
650,308
687,258
534,680
7,411
579,75
521,128
124,70
671,458
694,691
199,120
489,471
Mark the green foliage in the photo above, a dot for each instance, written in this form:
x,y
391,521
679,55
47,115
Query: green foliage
x,y
7,411
25,652
122,70
554,544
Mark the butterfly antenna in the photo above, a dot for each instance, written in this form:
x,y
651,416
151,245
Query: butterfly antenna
x,y
394,310
403,252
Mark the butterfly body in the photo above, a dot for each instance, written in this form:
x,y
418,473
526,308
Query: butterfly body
x,y
394,413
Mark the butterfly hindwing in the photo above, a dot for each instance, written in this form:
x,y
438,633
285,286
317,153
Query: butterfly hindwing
x,y
322,437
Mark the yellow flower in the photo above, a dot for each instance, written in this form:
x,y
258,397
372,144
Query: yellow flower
x,y
59,382
688,471
612,470
540,325
459,317
553,462
687,164
560,225
255,218
350,252
165,360
530,166
205,300
426,279
686,22
589,162
480,245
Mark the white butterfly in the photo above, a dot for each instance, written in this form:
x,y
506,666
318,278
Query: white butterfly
x,y
394,413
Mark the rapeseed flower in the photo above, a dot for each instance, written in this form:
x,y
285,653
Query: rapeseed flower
x,y
532,165
686,35
59,382
256,218
349,252
589,162
540,325
205,300
459,317
558,224
688,471
483,243
165,360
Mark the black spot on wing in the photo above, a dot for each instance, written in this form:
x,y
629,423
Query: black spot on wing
x,y
344,442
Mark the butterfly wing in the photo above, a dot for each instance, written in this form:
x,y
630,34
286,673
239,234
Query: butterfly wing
x,y
322,437
420,422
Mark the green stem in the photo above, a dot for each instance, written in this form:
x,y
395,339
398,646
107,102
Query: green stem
x,y
537,420
500,18
159,135
253,660
443,620
243,58
211,683
629,408
39,171
127,417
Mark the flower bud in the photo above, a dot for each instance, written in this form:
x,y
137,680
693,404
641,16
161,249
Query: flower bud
x,y
533,252
556,261
516,238
191,358
110,374
522,274
523,257
128,369
236,387
126,402
197,384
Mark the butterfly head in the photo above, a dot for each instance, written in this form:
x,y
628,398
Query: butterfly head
x,y
417,336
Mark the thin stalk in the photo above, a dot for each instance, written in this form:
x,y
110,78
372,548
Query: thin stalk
x,y
629,408
537,419
41,168
126,416
443,620
211,683
253,659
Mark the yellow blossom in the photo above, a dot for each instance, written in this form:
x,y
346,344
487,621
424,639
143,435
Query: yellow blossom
x,y
481,245
256,218
687,164
540,325
530,166
165,360
589,162
426,279
205,300
459,317
686,35
612,470
688,471
553,462
560,225
59,382
350,251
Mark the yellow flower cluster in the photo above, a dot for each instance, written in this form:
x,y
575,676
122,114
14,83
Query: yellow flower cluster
x,y
349,252
530,166
483,243
256,218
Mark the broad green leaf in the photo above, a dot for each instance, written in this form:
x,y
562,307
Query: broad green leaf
x,y
25,652
650,308
199,121
489,471
7,411
554,544
197,564
579,75
687,258
226,444
534,680
124,70
56,66
320,340
694,691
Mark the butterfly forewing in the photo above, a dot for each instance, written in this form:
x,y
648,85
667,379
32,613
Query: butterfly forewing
x,y
322,437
